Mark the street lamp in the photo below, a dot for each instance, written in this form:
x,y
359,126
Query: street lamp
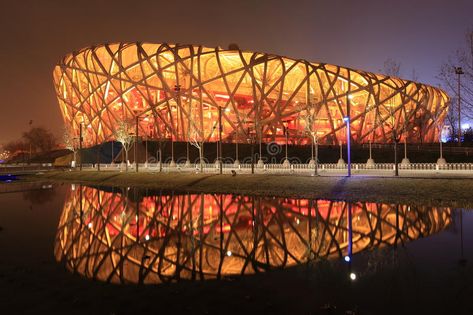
x,y
220,139
251,141
315,140
30,123
80,146
285,126
459,71
346,119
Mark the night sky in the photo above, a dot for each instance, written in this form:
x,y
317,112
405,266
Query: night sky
x,y
361,34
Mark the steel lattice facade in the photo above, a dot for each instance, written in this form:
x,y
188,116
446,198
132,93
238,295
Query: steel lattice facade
x,y
178,90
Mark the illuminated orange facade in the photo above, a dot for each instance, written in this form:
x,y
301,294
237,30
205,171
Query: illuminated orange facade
x,y
122,238
178,90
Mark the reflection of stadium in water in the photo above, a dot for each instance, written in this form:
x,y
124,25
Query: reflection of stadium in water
x,y
111,237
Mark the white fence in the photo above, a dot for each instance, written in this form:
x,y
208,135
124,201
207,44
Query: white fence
x,y
281,168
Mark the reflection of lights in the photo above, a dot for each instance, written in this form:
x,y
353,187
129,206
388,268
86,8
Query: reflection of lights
x,y
346,119
189,228
298,221
352,276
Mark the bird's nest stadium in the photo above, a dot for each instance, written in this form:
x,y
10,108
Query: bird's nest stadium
x,y
181,92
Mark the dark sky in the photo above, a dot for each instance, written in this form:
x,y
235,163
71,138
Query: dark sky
x,y
362,34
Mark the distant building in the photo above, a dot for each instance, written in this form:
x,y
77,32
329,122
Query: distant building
x,y
177,91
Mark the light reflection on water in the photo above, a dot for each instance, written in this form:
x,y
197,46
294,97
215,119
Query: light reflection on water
x,y
130,236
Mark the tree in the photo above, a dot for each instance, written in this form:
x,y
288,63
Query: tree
x,y
438,121
393,110
196,139
15,147
462,58
40,139
123,135
451,120
392,67
468,135
4,155
309,116
69,141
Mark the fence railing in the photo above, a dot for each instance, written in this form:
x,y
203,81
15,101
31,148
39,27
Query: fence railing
x,y
279,168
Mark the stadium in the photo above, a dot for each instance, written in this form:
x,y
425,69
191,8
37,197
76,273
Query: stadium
x,y
182,92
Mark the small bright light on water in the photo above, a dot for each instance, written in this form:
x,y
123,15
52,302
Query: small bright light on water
x,y
147,237
352,276
347,258
298,221
229,253
89,225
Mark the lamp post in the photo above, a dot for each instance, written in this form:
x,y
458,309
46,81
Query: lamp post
x,y
220,139
160,155
396,139
113,142
146,151
441,160
315,140
285,124
136,142
80,146
251,142
98,151
347,121
30,123
459,71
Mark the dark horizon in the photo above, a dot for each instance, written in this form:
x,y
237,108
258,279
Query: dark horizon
x,y
360,35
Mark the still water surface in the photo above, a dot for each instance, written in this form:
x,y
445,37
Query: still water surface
x,y
131,236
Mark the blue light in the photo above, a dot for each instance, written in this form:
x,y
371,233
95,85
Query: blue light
x,y
346,119
347,258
